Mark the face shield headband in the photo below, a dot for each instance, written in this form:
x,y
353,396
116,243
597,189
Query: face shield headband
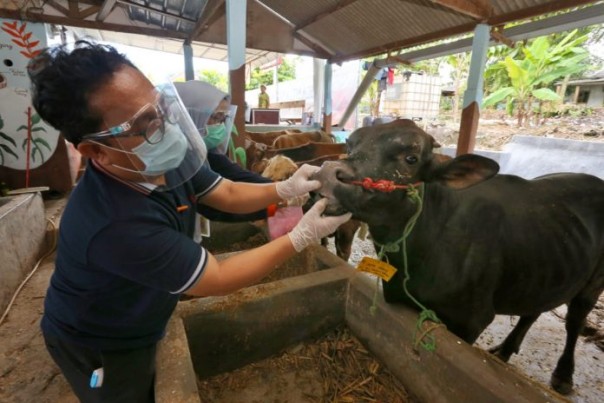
x,y
159,142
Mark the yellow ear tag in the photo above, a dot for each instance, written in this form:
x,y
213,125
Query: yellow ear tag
x,y
377,267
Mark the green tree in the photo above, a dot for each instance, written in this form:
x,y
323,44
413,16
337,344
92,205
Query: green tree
x,y
214,77
460,64
534,70
285,72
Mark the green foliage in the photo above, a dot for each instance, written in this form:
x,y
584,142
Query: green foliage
x,y
285,72
214,77
531,69
4,148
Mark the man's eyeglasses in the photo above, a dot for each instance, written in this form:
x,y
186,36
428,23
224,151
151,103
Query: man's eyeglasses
x,y
145,122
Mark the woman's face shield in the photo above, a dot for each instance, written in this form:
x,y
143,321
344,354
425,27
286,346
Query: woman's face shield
x,y
217,133
159,143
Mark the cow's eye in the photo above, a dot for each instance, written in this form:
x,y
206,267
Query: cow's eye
x,y
410,159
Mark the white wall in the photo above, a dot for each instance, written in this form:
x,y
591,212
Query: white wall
x,y
19,41
596,96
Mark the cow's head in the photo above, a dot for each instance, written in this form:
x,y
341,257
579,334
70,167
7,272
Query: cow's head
x,y
400,152
254,153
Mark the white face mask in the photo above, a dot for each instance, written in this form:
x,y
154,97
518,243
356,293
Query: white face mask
x,y
165,155
159,157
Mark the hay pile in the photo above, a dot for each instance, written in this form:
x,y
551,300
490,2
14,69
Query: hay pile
x,y
334,368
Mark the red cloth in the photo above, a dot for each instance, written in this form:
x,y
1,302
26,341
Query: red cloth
x,y
390,76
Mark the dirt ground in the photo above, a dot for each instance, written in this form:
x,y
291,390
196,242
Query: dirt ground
x,y
496,129
28,374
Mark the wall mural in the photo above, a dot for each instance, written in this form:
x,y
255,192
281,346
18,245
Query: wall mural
x,y
26,142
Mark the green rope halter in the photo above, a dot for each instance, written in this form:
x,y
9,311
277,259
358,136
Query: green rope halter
x,y
415,196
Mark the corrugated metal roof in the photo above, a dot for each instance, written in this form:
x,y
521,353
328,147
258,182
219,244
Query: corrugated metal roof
x,y
333,29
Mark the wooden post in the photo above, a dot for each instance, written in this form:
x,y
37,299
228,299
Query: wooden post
x,y
469,124
327,99
576,95
236,41
473,95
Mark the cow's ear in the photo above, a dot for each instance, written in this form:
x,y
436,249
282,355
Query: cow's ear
x,y
462,172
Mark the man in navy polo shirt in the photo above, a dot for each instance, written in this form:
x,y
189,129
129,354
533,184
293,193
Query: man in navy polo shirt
x,y
125,249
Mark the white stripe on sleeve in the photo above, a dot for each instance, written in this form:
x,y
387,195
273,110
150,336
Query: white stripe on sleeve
x,y
203,260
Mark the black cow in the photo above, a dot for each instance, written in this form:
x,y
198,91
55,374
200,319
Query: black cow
x,y
484,244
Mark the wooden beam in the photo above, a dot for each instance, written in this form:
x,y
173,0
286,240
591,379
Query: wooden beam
x,y
106,9
58,7
89,11
497,34
217,10
74,9
320,51
129,29
477,9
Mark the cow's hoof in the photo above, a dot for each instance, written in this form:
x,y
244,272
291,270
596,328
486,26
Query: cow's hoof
x,y
497,351
561,386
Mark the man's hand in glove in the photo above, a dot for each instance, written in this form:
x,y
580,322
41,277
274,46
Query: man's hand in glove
x,y
299,184
312,227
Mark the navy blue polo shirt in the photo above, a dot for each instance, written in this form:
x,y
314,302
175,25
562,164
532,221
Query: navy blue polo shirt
x,y
124,255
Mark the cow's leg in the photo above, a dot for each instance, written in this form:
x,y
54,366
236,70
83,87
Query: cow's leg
x,y
511,344
578,309
344,237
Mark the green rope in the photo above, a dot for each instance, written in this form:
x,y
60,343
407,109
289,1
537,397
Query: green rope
x,y
415,196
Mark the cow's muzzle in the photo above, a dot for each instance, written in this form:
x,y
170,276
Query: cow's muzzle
x,y
332,175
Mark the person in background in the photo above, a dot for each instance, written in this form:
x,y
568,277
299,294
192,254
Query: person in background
x,y
264,101
215,127
125,252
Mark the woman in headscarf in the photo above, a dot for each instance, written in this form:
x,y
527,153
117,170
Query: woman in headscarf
x,y
216,134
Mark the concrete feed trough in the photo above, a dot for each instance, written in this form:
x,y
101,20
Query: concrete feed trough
x,y
22,236
209,336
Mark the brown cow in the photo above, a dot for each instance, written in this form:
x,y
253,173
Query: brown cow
x,y
308,151
298,139
269,137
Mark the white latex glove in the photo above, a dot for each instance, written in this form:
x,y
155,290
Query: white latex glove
x,y
312,227
299,184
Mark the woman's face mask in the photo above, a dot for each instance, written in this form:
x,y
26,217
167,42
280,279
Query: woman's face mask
x,y
215,136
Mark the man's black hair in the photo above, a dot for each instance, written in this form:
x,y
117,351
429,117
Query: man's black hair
x,y
62,80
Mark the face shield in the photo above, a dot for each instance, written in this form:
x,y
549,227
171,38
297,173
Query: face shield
x,y
216,133
159,143
210,111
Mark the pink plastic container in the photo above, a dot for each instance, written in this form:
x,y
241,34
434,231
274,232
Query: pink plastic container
x,y
284,220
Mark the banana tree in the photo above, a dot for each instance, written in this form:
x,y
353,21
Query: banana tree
x,y
4,148
531,76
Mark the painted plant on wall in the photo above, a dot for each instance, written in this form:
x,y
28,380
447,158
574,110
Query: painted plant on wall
x,y
4,147
30,141
22,38
32,145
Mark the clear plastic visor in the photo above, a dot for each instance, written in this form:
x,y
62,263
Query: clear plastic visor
x,y
159,144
